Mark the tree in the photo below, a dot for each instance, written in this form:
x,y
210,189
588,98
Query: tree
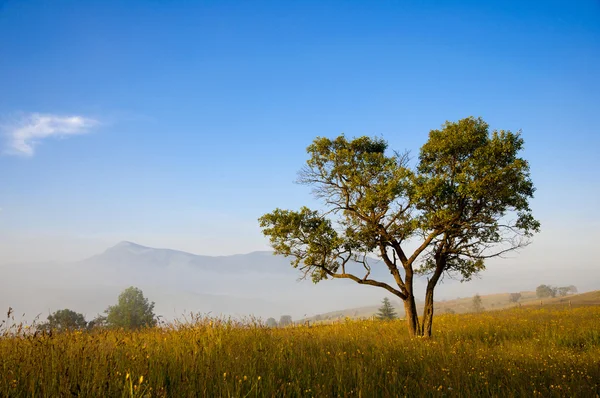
x,y
543,291
98,322
285,320
477,304
514,297
132,311
466,200
386,311
566,290
65,319
271,322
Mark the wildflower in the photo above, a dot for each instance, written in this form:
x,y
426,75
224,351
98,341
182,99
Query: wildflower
x,y
141,379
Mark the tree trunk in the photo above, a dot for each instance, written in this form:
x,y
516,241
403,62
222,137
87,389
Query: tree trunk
x,y
428,310
410,307
412,317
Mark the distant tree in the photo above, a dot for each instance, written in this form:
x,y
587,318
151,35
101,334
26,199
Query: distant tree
x,y
64,320
543,291
464,201
566,290
514,297
318,317
285,320
477,304
98,322
449,311
271,322
132,311
386,311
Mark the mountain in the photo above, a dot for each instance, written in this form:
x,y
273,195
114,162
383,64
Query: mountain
x,y
257,283
132,255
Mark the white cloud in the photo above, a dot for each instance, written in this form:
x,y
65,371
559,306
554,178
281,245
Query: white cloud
x,y
23,136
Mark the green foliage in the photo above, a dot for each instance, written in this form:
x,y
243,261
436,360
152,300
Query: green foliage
x,y
386,312
307,237
572,289
132,311
65,319
98,322
477,304
566,290
544,291
466,200
514,297
285,320
468,182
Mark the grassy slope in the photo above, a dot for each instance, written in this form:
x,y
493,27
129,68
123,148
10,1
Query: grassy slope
x,y
464,305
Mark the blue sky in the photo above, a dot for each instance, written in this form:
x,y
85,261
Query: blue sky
x,y
177,124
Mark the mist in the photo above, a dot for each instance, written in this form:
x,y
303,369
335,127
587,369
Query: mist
x,y
260,284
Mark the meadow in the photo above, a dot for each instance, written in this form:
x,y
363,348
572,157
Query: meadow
x,y
544,352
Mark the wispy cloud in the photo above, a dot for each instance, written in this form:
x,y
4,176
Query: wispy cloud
x,y
29,130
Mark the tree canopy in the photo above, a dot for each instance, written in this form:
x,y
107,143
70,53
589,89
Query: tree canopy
x,y
466,200
477,303
285,320
65,319
386,311
132,311
543,291
514,297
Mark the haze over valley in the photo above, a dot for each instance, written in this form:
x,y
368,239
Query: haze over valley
x,y
253,284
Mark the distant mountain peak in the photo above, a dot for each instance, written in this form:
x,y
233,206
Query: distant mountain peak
x,y
128,244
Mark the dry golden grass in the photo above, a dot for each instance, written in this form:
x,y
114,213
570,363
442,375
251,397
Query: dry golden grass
x,y
519,352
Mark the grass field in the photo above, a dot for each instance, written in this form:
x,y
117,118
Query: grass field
x,y
518,352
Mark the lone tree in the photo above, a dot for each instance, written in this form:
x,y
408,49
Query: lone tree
x,y
386,311
132,311
271,323
62,320
466,200
477,304
285,320
514,297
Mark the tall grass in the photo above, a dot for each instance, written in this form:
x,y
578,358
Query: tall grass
x,y
519,352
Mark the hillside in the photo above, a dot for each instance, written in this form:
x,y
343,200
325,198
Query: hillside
x,y
464,305
576,300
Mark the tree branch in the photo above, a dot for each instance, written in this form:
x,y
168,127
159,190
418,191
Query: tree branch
x,y
369,282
